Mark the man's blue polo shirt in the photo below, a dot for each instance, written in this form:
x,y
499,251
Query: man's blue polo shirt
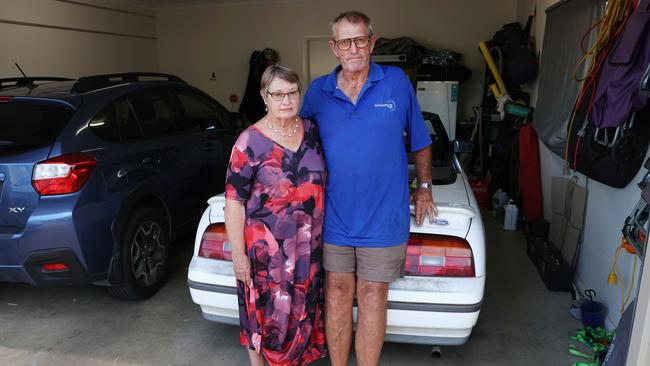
x,y
366,196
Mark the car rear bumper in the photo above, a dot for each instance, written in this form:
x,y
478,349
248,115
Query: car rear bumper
x,y
59,230
49,236
31,271
420,322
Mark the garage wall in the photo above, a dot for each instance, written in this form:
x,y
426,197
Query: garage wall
x,y
194,42
71,39
607,207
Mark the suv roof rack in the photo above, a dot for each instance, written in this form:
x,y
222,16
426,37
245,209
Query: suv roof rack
x,y
27,81
89,83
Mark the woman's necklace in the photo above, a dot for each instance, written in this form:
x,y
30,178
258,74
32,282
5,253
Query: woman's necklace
x,y
283,134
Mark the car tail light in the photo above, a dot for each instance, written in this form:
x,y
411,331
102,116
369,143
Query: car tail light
x,y
215,244
5,99
62,174
438,255
51,267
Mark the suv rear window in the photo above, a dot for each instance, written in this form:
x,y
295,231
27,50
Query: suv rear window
x,y
25,126
203,113
153,113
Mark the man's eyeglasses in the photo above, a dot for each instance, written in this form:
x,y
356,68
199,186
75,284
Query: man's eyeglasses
x,y
345,44
279,96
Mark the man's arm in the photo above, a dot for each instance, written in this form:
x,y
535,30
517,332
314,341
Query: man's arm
x,y
422,197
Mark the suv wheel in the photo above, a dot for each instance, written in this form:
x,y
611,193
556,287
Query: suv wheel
x,y
145,255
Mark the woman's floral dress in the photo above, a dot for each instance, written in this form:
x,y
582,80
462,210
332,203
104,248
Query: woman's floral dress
x,y
281,314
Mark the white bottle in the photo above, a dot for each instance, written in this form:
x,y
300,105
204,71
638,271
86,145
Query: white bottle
x,y
510,219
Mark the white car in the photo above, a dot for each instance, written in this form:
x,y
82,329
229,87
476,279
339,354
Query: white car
x,y
436,303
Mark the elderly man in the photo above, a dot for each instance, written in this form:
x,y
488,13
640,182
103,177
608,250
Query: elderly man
x,y
362,110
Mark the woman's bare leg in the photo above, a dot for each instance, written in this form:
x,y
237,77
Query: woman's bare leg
x,y
256,358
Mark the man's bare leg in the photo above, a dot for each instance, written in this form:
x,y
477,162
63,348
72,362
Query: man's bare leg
x,y
339,295
372,299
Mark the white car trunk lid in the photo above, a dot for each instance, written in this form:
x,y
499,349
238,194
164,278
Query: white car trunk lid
x,y
454,211
217,206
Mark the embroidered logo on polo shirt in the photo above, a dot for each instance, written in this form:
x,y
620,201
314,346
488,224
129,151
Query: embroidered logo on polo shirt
x,y
390,104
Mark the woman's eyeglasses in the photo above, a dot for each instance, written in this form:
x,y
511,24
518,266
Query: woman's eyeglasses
x,y
279,96
360,42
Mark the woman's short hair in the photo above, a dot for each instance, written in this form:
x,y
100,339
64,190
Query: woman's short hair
x,y
352,17
281,72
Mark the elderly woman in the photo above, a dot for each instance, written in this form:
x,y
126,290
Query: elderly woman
x,y
274,216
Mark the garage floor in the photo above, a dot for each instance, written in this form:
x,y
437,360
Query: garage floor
x,y
521,323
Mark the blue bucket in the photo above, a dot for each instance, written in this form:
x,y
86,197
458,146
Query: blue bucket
x,y
593,313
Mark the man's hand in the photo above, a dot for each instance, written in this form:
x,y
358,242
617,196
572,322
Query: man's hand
x,y
422,197
424,205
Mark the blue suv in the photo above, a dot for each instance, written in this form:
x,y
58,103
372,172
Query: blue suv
x,y
99,175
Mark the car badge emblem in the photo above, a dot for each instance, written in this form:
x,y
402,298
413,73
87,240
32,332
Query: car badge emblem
x,y
441,222
16,209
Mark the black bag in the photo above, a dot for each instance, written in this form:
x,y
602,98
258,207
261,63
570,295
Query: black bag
x,y
519,62
556,274
535,249
536,239
614,165
520,65
504,162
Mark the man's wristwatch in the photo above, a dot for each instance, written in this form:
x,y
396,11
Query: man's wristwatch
x,y
427,185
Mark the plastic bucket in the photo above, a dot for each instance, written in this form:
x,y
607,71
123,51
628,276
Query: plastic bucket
x,y
593,313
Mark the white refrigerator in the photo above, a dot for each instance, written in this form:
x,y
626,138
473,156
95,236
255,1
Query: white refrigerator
x,y
441,98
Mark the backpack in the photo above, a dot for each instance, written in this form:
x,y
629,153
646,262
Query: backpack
x,y
519,62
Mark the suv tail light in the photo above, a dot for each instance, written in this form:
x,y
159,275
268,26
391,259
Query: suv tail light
x,y
437,255
55,267
215,244
62,174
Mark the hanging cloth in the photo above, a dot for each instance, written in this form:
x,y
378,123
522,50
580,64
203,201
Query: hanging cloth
x,y
529,173
617,91
252,104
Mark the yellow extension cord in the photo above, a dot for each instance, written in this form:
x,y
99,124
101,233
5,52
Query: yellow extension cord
x,y
615,274
611,24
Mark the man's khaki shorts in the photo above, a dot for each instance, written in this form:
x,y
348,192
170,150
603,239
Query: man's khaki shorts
x,y
371,264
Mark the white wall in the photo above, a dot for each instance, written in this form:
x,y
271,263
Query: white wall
x,y
607,207
196,41
58,38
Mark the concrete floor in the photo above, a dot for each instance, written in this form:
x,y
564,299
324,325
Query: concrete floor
x,y
521,323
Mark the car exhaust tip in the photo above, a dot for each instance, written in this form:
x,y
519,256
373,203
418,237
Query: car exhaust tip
x,y
436,352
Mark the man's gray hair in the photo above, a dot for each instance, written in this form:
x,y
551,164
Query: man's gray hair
x,y
353,17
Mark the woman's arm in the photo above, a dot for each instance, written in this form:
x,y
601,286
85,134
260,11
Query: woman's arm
x,y
235,213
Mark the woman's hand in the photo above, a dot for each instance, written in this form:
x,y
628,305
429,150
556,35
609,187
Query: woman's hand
x,y
242,266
